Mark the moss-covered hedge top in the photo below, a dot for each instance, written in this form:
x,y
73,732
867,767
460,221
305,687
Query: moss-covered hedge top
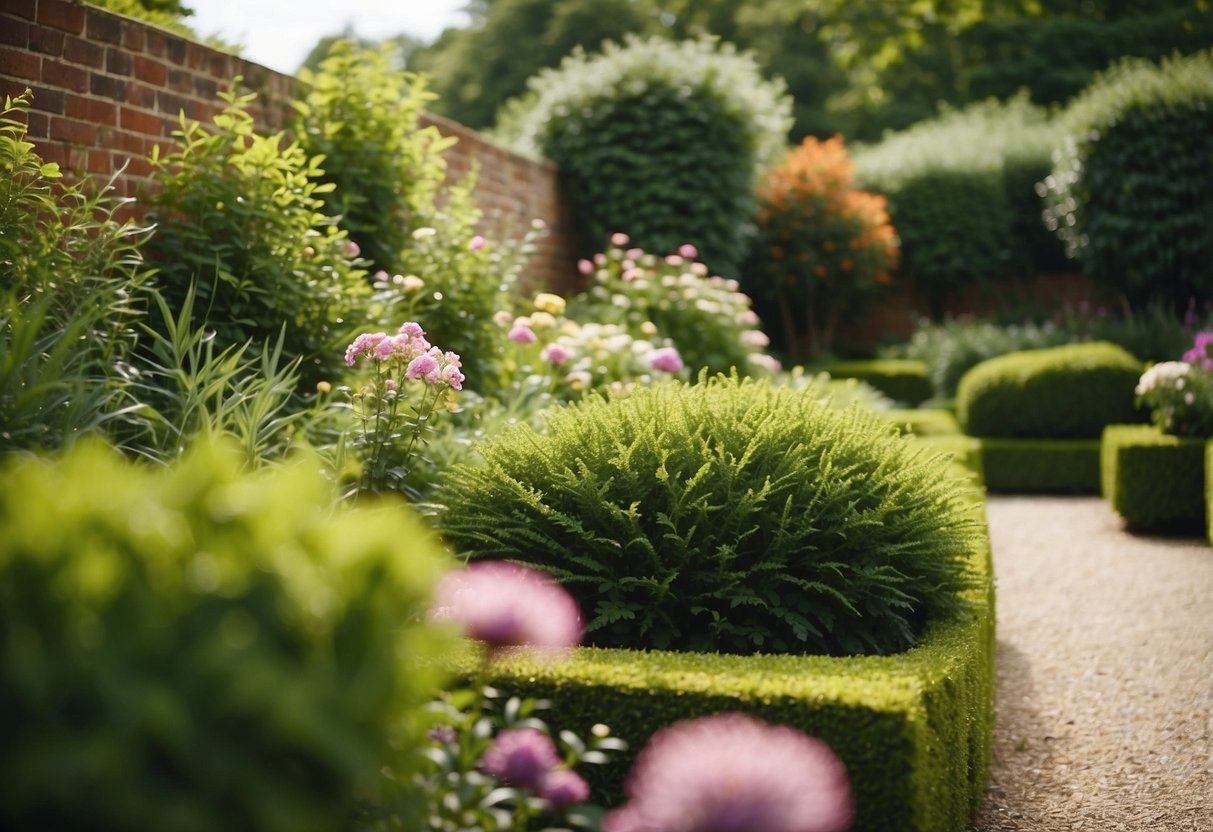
x,y
727,515
1067,392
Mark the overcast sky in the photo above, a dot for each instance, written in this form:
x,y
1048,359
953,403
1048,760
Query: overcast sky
x,y
280,33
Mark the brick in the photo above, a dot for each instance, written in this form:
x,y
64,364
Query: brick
x,y
91,109
19,64
39,125
47,41
180,80
150,71
14,32
21,8
174,50
156,42
170,104
48,100
103,27
122,140
84,52
220,65
60,14
133,37
114,88
73,132
100,161
136,166
140,95
118,62
205,88
64,76
146,123
56,153
194,55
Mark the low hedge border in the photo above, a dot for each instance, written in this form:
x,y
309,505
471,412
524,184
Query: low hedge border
x,y
924,421
913,729
1041,466
1154,481
1209,490
901,379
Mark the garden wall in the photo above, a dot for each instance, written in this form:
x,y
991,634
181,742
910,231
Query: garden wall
x,y
108,88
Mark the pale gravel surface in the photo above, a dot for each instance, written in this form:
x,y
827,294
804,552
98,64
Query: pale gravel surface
x,y
1105,673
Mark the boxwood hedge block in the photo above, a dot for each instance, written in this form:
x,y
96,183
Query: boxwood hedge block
x,y
901,379
1209,490
1067,392
1153,480
912,728
924,422
1045,466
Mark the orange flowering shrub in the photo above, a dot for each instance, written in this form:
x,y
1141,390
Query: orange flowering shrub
x,y
824,248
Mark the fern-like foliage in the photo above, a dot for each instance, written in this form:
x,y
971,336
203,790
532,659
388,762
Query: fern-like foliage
x,y
729,515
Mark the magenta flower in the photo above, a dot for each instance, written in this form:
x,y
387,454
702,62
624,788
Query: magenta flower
x,y
364,343
521,757
688,251
477,243
555,354
423,366
666,359
522,334
506,605
734,773
564,787
584,266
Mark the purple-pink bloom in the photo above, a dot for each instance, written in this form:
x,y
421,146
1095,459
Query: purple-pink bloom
x,y
452,376
665,359
391,385
564,787
477,243
620,239
688,251
507,605
584,266
555,354
522,334
422,367
734,773
352,249
521,757
365,342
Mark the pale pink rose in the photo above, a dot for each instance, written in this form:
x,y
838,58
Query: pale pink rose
x,y
351,249
522,334
620,239
584,266
477,243
688,251
555,354
666,359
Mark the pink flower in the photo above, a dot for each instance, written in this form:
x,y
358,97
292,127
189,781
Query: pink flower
x,y
412,329
521,757
688,251
477,243
364,343
634,254
381,276
506,605
563,787
584,266
620,239
452,376
555,354
351,249
666,359
423,366
755,338
673,259
734,773
384,350
522,334
391,386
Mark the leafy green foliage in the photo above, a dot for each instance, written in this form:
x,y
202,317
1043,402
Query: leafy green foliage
x,y
727,515
1067,392
960,191
72,290
656,139
239,222
194,648
1131,194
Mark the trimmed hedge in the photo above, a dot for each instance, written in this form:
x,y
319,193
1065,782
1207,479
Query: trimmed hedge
x,y
913,728
1209,491
925,422
1154,480
1067,392
902,380
1045,466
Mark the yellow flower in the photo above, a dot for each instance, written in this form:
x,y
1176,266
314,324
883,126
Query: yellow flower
x,y
547,302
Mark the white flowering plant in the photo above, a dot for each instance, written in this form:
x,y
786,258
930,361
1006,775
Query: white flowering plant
x,y
1179,395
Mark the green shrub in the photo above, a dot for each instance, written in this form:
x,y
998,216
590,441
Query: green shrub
x,y
913,729
657,139
1131,194
1041,466
1153,480
72,295
238,216
1067,392
902,380
959,191
727,515
192,648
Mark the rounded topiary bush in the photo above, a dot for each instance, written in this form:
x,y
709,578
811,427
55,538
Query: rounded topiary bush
x,y
729,515
1067,392
193,648
658,139
1131,193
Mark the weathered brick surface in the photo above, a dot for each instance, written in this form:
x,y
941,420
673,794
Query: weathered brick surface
x,y
107,89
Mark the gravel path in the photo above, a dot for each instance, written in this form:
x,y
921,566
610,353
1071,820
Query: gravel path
x,y
1105,673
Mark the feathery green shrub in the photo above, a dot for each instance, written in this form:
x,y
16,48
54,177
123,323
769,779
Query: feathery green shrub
x,y
657,139
729,515
195,648
1131,194
1067,392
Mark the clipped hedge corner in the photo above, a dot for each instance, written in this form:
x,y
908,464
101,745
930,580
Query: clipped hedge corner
x,y
924,422
913,728
1067,392
901,379
1153,480
1043,466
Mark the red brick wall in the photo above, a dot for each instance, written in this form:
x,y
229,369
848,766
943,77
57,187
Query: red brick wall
x,y
107,89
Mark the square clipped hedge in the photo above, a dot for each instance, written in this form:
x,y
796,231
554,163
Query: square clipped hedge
x,y
913,729
924,421
901,379
1154,480
1041,466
